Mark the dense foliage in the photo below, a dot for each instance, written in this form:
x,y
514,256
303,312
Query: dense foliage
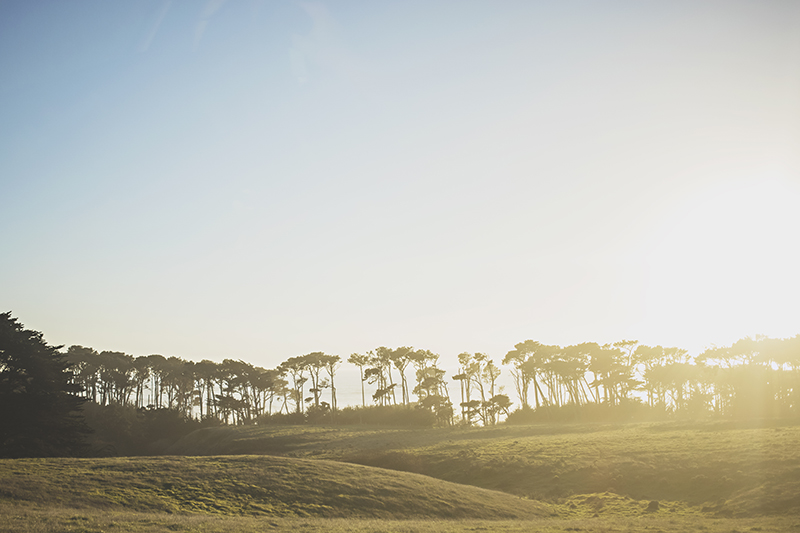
x,y
39,411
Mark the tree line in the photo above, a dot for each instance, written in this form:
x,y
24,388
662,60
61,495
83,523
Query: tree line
x,y
44,388
237,392
752,377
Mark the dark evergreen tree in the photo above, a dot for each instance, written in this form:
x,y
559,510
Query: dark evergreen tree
x,y
40,412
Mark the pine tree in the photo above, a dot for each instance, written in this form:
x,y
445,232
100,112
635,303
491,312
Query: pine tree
x,y
40,413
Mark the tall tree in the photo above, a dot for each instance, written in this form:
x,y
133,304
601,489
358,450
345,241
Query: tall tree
x,y
316,363
528,359
85,366
480,371
296,367
401,357
431,387
332,363
360,361
379,373
470,372
205,373
39,407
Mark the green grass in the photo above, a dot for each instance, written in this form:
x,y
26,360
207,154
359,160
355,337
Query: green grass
x,y
645,477
24,519
721,468
250,485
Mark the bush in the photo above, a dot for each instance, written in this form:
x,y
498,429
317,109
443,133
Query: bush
x,y
126,430
375,415
626,411
386,415
318,414
281,419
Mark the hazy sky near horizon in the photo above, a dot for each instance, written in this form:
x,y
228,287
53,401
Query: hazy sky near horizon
x,y
257,180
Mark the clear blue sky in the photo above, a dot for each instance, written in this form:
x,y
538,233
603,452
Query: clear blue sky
x,y
257,180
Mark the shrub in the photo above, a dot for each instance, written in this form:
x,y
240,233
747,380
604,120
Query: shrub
x,y
626,411
386,415
125,430
281,419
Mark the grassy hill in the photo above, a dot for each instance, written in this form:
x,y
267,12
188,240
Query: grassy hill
x,y
250,485
249,494
724,469
663,477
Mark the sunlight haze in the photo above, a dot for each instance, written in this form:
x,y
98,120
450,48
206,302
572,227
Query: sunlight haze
x,y
258,180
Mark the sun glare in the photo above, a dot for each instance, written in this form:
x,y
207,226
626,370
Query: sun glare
x,y
726,260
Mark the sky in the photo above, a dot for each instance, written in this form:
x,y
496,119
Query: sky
x,y
258,180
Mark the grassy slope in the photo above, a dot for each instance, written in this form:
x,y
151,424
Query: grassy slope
x,y
249,485
722,468
752,470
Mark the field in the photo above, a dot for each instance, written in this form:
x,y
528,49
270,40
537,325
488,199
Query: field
x,y
724,468
659,477
57,520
